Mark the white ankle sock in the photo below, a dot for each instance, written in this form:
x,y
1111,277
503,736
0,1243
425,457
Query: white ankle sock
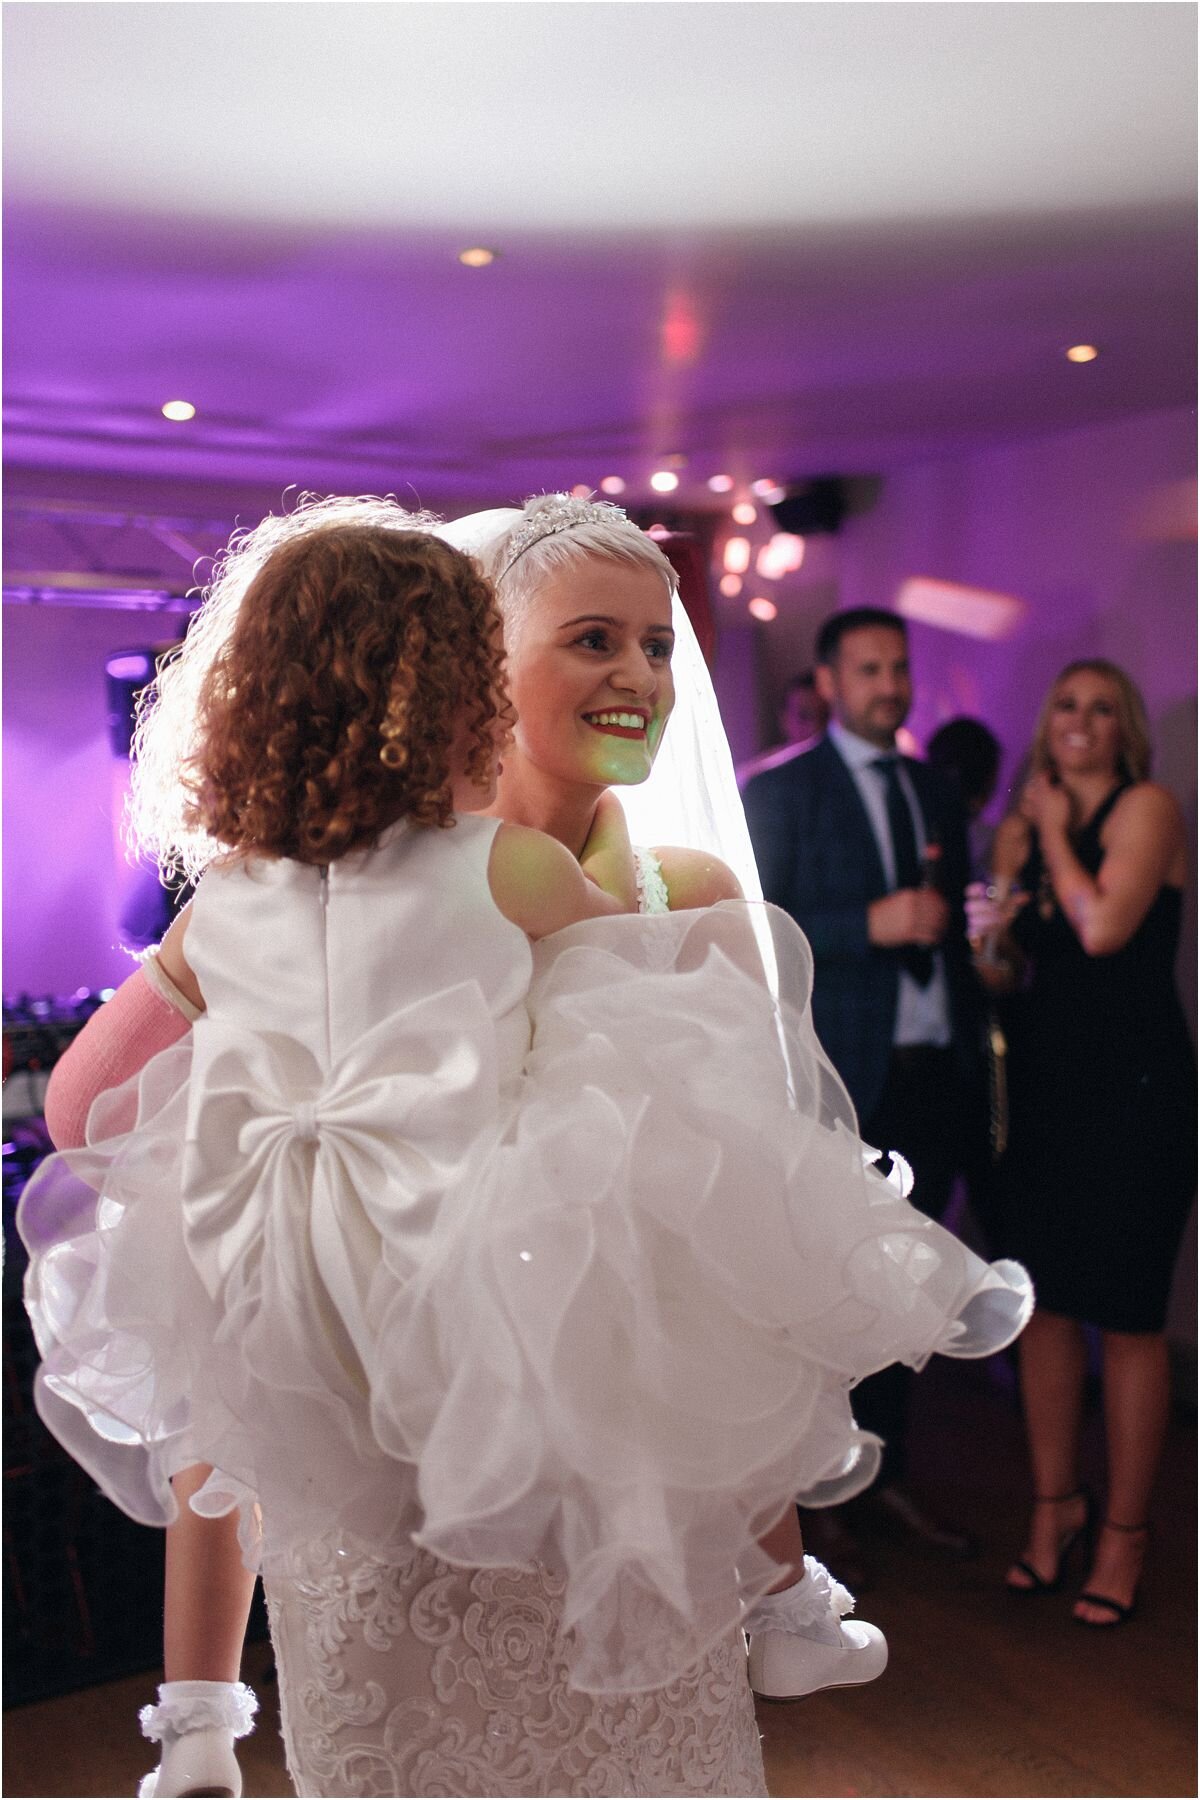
x,y
185,1706
812,1607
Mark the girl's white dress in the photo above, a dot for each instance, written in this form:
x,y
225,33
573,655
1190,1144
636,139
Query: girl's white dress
x,y
511,1294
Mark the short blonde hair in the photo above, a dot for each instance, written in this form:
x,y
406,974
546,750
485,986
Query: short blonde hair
x,y
612,539
1135,754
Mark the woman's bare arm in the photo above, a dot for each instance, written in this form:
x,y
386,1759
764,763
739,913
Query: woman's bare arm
x,y
695,878
1140,839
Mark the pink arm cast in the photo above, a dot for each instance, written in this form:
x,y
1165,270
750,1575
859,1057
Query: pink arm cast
x,y
116,1042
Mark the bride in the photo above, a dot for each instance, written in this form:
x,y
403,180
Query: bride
x,y
445,1668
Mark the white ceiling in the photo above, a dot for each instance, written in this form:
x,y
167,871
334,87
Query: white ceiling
x,y
568,114
776,238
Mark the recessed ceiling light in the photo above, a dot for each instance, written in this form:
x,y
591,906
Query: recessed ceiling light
x,y
730,586
744,513
180,410
762,608
720,484
612,484
1082,353
664,481
477,257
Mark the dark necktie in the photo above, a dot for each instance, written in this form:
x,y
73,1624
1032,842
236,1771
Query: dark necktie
x,y
917,961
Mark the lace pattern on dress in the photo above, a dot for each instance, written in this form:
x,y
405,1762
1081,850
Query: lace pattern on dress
x,y
651,887
407,1677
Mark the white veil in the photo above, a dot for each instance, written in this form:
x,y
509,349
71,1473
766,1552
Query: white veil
x,y
691,798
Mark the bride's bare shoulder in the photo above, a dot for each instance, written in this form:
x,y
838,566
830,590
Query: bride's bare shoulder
x,y
696,878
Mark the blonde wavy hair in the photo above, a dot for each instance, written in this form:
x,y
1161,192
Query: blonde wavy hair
x,y
1135,755
315,700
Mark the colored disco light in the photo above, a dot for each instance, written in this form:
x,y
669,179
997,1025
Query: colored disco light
x,y
762,608
720,484
477,257
179,410
612,484
1082,353
973,612
782,556
664,481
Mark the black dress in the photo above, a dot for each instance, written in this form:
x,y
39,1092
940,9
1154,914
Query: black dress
x,y
1097,1183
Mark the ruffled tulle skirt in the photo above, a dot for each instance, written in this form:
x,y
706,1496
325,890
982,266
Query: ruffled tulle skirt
x,y
619,1345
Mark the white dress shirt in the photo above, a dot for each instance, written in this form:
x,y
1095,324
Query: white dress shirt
x,y
922,1013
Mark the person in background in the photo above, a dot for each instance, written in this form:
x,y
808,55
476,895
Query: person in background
x,y
1097,1182
867,851
802,717
966,751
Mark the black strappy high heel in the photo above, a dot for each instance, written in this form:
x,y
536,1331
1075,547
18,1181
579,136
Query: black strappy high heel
x,y
1121,1614
1079,1534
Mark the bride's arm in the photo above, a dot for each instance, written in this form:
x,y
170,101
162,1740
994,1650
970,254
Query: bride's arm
x,y
695,878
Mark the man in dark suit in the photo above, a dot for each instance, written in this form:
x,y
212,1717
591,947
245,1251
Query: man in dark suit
x,y
867,850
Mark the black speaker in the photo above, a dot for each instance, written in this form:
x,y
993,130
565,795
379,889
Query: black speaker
x,y
126,673
812,506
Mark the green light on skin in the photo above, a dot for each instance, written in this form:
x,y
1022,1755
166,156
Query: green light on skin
x,y
624,762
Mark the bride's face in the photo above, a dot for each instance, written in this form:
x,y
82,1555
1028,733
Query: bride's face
x,y
589,672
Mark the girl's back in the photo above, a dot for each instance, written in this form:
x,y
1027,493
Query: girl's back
x,y
325,954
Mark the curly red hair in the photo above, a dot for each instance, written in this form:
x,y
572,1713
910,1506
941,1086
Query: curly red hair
x,y
358,655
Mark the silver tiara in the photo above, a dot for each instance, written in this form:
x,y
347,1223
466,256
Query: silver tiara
x,y
565,512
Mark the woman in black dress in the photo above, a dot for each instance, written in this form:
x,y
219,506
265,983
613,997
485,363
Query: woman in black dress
x,y
1095,1188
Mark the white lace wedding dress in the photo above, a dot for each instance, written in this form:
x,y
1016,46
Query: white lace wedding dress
x,y
512,1296
404,1675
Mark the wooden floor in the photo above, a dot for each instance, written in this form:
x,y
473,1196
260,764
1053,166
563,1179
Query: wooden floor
x,y
985,1694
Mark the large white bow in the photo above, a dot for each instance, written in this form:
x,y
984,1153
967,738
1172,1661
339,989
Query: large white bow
x,y
299,1184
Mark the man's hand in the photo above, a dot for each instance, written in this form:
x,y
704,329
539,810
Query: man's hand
x,y
909,916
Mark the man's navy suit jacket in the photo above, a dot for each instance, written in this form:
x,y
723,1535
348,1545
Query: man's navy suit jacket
x,y
819,861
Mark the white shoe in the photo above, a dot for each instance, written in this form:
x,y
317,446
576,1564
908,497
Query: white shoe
x,y
801,1641
199,1762
197,1722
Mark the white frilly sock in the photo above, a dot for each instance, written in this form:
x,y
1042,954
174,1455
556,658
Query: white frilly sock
x,y
185,1706
813,1607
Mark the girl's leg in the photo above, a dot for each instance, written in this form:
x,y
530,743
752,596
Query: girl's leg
x,y
208,1591
202,1707
1137,1396
1053,1363
784,1544
799,1638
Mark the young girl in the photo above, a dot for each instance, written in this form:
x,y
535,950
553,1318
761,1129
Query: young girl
x,y
313,752
335,714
